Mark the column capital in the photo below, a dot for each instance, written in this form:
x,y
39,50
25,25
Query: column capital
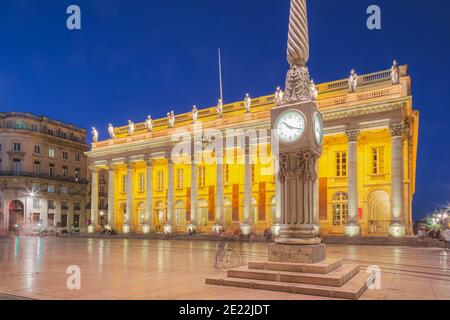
x,y
397,129
352,134
149,162
93,169
111,167
129,164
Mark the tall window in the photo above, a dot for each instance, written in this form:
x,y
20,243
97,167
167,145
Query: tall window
x,y
50,189
201,176
141,182
77,174
180,178
52,152
51,171
227,174
17,146
378,160
65,172
65,155
37,167
160,181
37,149
341,164
340,209
77,157
17,167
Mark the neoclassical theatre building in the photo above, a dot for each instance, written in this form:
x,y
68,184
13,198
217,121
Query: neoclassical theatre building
x,y
366,172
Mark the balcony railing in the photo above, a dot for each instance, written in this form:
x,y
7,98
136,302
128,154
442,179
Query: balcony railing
x,y
41,176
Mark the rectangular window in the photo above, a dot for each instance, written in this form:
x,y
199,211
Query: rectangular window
x,y
341,164
76,221
64,221
51,189
37,149
227,174
160,181
65,172
180,178
201,176
77,205
51,170
52,152
37,167
17,167
65,155
77,157
378,160
36,203
141,182
17,146
77,174
64,205
64,190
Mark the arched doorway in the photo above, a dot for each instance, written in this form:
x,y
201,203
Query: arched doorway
x,y
16,216
203,212
160,215
141,214
379,210
180,213
339,210
122,213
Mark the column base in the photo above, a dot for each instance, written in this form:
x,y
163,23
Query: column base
x,y
145,229
217,228
126,229
168,229
245,229
352,230
276,229
293,253
90,229
397,229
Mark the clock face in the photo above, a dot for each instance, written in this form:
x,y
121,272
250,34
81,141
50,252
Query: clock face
x,y
318,129
290,126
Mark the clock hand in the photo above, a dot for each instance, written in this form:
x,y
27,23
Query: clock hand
x,y
291,127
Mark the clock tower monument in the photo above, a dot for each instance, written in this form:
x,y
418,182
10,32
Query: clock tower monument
x,y
299,129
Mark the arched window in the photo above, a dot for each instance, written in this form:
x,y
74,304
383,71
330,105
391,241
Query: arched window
x,y
141,213
340,209
180,212
203,212
160,215
227,211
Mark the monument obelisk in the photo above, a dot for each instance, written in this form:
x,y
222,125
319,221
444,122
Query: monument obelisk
x,y
299,129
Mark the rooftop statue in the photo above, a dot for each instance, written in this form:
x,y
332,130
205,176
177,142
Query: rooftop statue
x,y
353,81
94,135
171,118
149,123
112,135
194,114
279,96
131,127
395,72
248,103
314,92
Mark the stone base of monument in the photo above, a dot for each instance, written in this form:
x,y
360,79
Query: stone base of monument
x,y
299,269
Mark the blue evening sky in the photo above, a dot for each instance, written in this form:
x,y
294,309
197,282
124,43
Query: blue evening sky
x,y
133,58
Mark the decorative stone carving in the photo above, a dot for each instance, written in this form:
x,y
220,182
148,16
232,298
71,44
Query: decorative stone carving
x,y
397,129
314,92
112,135
149,123
395,72
131,127
194,114
219,108
298,39
248,103
171,118
353,81
94,135
306,164
279,96
298,86
352,135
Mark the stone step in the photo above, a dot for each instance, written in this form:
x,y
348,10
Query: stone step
x,y
352,289
335,278
322,267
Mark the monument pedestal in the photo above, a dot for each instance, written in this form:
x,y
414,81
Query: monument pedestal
x,y
294,253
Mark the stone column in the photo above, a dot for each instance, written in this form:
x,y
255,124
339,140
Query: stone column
x,y
129,190
94,199
149,196
171,225
194,192
247,223
111,200
219,191
397,225
352,227
277,223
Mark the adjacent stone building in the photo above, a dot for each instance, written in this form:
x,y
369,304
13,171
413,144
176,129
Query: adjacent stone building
x,y
42,174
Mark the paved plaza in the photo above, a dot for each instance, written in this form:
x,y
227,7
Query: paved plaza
x,y
161,269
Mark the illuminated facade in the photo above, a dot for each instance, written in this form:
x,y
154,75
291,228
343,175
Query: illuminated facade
x,y
366,172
